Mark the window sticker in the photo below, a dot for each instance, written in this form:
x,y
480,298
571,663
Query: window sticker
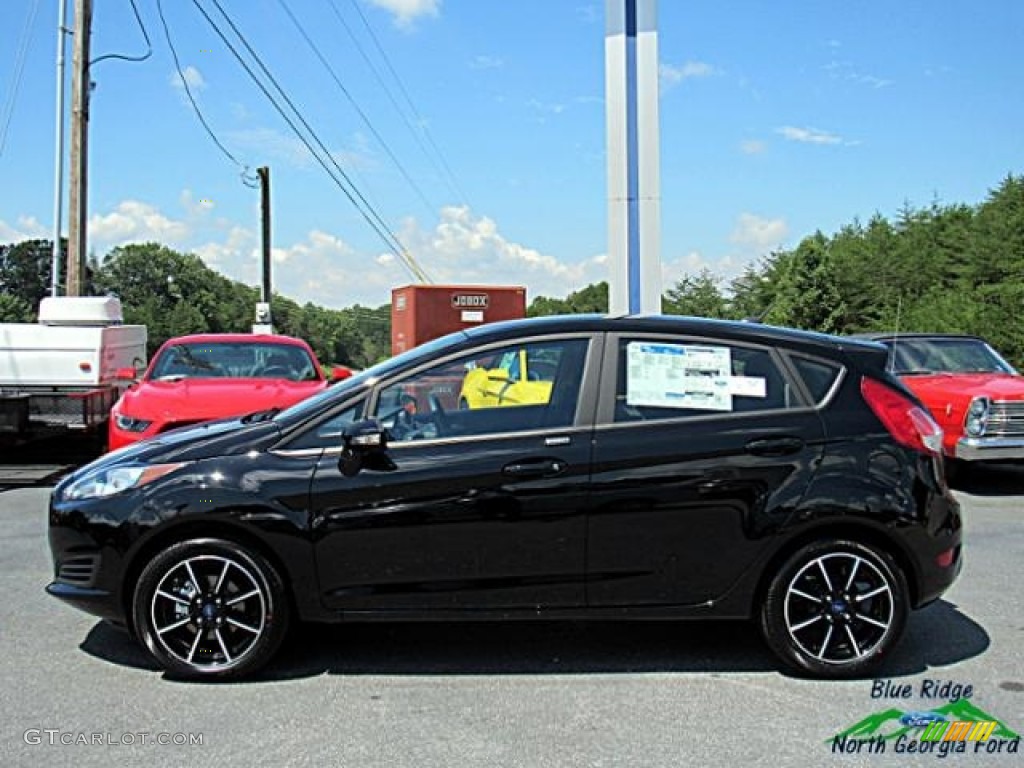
x,y
748,386
678,376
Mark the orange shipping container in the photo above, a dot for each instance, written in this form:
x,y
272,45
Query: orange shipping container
x,y
420,313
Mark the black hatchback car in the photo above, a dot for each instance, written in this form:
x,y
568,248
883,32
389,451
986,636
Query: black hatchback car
x,y
652,468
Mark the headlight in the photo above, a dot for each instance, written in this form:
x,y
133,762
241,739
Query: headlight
x,y
977,417
110,480
131,424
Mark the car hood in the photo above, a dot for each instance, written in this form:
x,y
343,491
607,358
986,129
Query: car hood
x,y
226,437
949,386
202,399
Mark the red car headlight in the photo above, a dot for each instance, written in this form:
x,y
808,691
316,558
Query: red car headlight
x,y
130,423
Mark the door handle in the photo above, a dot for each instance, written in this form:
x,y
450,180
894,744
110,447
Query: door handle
x,y
535,468
775,446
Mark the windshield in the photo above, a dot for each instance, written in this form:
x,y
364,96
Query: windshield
x,y
311,405
944,355
235,360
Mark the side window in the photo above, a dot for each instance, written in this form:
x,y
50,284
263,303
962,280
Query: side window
x,y
327,434
659,379
478,394
819,376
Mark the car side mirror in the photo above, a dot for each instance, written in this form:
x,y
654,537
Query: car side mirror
x,y
339,373
364,446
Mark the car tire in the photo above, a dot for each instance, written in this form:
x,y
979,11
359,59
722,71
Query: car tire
x,y
835,609
210,609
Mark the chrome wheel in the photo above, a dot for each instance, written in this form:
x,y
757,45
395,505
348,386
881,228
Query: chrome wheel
x,y
210,608
835,608
208,611
838,608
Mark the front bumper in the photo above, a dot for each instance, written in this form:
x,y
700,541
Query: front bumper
x,y
87,556
990,448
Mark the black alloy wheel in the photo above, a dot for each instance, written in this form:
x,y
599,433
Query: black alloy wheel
x,y
210,608
835,609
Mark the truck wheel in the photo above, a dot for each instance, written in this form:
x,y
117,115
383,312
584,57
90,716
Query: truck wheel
x,y
835,609
210,609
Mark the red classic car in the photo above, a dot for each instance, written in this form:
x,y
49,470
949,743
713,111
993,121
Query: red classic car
x,y
974,394
213,376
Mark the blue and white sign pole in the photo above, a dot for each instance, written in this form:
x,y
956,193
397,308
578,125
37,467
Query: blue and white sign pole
x,y
631,112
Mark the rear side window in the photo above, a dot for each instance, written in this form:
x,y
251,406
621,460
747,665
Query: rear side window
x,y
818,375
660,379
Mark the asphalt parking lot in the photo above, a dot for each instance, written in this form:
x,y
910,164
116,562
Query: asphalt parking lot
x,y
75,692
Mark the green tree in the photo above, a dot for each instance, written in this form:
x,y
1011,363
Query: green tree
x,y
806,295
590,299
14,309
697,295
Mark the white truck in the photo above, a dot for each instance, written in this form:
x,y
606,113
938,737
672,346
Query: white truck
x,y
65,372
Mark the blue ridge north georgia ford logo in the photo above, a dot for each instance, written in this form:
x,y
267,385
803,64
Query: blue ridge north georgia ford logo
x,y
957,726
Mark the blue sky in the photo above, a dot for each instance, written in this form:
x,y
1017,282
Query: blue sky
x,y
777,119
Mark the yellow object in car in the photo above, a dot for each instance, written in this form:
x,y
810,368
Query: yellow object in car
x,y
517,379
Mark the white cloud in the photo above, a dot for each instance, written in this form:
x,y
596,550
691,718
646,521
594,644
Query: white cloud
x,y
756,234
133,221
240,242
486,62
195,208
274,145
547,107
461,247
467,248
26,228
674,74
192,77
271,144
407,11
674,269
752,146
845,70
809,135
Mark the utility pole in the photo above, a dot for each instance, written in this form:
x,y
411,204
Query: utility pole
x,y
78,202
58,170
264,319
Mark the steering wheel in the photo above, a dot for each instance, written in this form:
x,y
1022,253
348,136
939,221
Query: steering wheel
x,y
437,411
277,372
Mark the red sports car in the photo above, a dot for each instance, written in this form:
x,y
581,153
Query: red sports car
x,y
975,395
213,376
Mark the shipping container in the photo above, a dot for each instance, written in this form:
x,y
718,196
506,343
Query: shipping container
x,y
420,313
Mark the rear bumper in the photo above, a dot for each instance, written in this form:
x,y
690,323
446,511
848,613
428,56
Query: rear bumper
x,y
939,549
989,448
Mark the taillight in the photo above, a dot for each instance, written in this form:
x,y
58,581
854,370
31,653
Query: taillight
x,y
908,423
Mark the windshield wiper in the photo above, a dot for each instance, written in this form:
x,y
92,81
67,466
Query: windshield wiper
x,y
258,416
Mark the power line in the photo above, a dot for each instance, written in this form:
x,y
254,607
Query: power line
x,y
453,182
19,70
246,175
356,107
366,210
125,57
437,158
